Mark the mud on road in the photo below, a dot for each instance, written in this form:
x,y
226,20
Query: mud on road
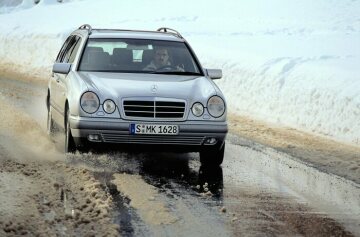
x,y
52,199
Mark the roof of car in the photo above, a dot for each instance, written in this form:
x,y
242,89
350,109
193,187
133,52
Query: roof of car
x,y
162,33
155,35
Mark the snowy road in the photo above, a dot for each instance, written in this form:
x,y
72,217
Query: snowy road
x,y
139,194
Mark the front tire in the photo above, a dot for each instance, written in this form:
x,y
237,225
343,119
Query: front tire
x,y
69,140
51,129
212,156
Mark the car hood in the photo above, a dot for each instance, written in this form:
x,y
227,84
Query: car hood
x,y
122,85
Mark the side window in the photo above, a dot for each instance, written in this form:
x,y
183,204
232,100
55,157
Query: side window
x,y
63,48
71,53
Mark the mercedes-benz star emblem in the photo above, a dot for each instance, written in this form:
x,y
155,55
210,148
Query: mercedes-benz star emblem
x,y
154,89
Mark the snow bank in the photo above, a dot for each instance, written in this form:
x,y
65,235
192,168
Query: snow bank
x,y
290,63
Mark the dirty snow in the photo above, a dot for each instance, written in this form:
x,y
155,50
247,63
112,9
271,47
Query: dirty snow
x,y
51,199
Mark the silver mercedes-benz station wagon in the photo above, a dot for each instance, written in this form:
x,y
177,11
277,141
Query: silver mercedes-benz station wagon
x,y
113,87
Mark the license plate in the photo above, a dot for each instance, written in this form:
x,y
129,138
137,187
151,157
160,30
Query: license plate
x,y
154,129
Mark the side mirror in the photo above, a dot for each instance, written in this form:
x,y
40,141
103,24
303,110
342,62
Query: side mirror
x,y
63,68
214,73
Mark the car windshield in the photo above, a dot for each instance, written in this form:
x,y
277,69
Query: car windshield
x,y
138,56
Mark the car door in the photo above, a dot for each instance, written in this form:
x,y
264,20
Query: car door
x,y
55,79
62,79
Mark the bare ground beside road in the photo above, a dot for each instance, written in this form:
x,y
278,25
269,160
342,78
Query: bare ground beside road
x,y
15,71
320,152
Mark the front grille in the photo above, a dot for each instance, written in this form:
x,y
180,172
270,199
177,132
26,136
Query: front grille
x,y
154,109
152,139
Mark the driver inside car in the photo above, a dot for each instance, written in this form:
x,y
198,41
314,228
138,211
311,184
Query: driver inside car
x,y
161,61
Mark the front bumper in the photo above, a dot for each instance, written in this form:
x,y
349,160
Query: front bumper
x,y
192,134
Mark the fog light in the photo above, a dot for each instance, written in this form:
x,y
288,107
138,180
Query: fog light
x,y
94,138
210,141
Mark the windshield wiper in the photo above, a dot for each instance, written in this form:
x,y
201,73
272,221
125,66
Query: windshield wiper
x,y
176,73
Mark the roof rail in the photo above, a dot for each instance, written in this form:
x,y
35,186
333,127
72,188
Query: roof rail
x,y
86,27
172,31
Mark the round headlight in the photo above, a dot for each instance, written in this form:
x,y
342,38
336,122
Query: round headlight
x,y
89,102
197,109
216,106
109,106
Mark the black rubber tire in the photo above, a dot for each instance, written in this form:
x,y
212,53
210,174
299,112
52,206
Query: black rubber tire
x,y
213,176
70,146
213,156
51,128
